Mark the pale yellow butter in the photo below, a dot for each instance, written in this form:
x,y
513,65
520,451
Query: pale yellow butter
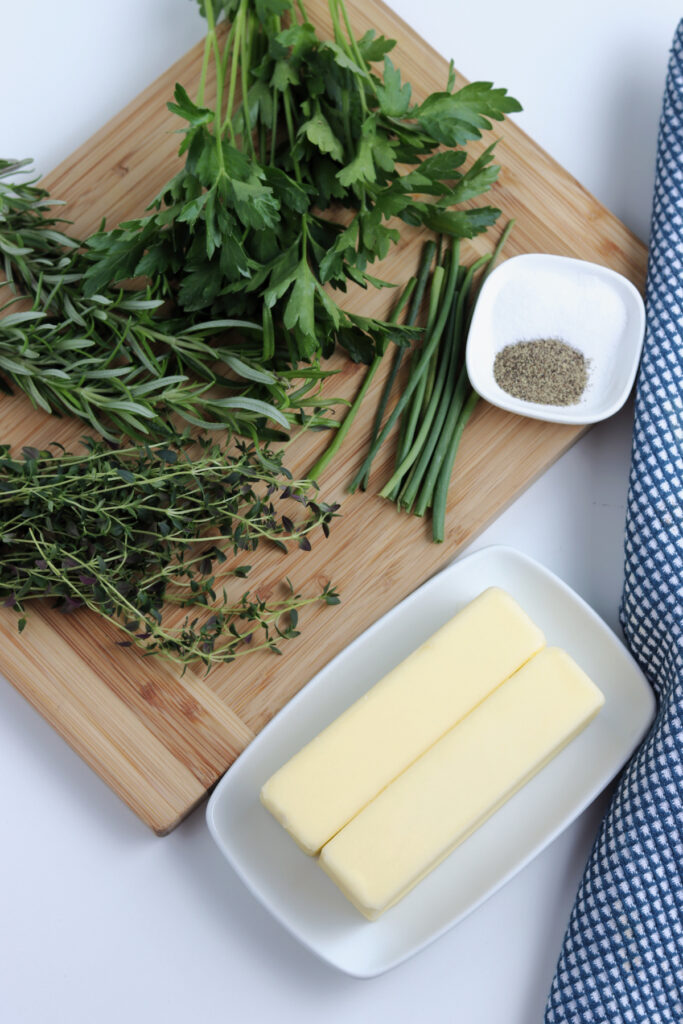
x,y
457,784
342,769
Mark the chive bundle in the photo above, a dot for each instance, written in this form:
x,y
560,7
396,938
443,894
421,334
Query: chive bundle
x,y
438,400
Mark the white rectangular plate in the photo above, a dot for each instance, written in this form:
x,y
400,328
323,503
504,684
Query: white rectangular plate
x,y
293,887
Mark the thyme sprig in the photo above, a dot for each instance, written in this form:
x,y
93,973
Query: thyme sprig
x,y
131,532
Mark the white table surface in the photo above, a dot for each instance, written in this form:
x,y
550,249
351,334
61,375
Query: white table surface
x,y
100,920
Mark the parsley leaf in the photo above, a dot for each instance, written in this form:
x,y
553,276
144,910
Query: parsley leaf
x,y
394,98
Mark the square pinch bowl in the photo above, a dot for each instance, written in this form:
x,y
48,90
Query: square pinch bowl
x,y
292,886
588,306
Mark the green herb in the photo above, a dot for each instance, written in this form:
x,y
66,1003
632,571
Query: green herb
x,y
420,286
319,467
109,359
247,234
437,401
131,532
444,408
418,371
418,409
318,130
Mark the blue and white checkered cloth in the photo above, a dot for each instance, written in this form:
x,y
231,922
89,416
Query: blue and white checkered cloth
x,y
622,959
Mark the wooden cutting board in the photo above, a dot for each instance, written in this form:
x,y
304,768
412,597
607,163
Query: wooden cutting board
x,y
160,740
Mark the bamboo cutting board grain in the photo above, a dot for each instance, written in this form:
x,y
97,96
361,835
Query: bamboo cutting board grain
x,y
160,740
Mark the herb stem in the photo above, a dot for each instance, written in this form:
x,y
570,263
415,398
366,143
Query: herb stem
x,y
318,468
360,60
291,135
415,377
414,412
234,67
441,492
454,401
208,4
245,63
208,43
418,295
350,48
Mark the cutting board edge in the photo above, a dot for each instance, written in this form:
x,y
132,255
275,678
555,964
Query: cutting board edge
x,y
160,824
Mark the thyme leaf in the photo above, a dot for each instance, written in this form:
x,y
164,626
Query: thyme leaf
x,y
132,532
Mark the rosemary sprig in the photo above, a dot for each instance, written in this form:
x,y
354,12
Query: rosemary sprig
x,y
110,359
128,532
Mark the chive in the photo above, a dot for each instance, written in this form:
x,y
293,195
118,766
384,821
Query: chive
x,y
494,259
441,493
456,422
410,417
422,276
453,401
410,487
322,463
413,450
415,378
431,374
457,400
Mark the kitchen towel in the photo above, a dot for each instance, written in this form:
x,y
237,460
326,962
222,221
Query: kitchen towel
x,y
622,959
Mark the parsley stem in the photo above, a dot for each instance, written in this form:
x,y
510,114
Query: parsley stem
x,y
304,238
350,149
234,67
219,77
360,60
290,133
273,126
336,24
205,66
350,48
247,41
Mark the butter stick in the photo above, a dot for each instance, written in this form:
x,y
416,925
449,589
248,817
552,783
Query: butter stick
x,y
343,768
454,787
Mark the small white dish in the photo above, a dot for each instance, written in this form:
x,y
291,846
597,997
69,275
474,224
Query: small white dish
x,y
590,307
294,888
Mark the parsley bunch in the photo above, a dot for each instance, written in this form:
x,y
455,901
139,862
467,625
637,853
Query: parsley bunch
x,y
299,185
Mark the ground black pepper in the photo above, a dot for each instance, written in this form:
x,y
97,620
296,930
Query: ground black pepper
x,y
545,370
